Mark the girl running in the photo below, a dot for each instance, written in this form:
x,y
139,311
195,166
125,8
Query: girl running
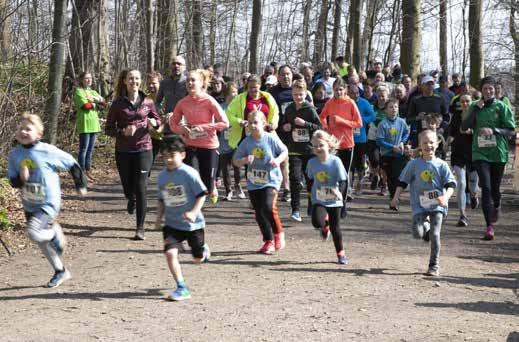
x,y
340,117
329,180
493,123
263,152
198,117
130,118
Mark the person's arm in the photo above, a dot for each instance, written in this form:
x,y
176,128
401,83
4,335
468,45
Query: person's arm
x,y
381,137
82,101
371,115
325,114
160,96
406,131
60,160
356,121
314,123
15,176
190,215
160,213
470,120
111,128
220,119
174,120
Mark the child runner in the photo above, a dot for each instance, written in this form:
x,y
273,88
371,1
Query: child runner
x,y
180,199
382,96
431,184
33,167
319,96
329,179
392,133
340,117
492,122
262,152
300,120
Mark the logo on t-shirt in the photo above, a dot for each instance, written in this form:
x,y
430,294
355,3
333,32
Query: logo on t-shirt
x,y
322,176
258,152
393,131
427,176
28,163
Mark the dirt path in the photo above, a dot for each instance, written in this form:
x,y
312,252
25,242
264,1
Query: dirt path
x,y
299,294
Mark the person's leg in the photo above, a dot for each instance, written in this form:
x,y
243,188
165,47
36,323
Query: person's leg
x,y
126,170
208,161
225,161
83,144
285,184
496,175
258,198
335,228
460,174
483,170
90,150
199,249
436,225
172,242
319,214
419,226
143,162
271,210
295,171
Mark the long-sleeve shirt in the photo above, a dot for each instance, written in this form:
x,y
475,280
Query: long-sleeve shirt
x,y
87,119
368,115
391,133
339,117
122,114
299,137
202,111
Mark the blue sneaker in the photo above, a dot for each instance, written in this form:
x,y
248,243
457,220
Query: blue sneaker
x,y
296,216
59,242
58,278
181,293
342,260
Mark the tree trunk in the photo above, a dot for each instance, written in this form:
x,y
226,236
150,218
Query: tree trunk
x,y
336,28
372,9
212,33
305,46
254,35
56,69
355,18
197,34
393,33
5,32
444,61
104,77
476,43
514,31
80,58
348,51
150,62
320,34
411,38
167,36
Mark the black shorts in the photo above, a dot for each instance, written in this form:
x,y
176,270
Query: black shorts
x,y
373,153
359,157
173,238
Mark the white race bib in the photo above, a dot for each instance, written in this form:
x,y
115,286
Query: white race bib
x,y
300,135
174,196
356,131
429,199
327,194
197,134
487,141
33,192
258,176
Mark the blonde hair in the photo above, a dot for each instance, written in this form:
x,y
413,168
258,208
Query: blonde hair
x,y
330,139
33,119
204,75
299,84
466,96
427,132
257,115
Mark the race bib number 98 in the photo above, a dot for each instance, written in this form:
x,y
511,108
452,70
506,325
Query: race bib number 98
x,y
300,135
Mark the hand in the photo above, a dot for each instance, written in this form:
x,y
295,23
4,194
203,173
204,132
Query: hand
x,y
299,122
394,202
244,123
337,194
420,115
82,191
129,130
443,201
398,148
24,173
249,159
480,103
408,151
485,131
274,162
185,130
151,123
190,216
287,127
197,129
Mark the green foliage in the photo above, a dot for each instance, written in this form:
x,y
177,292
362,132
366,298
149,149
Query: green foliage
x,y
5,197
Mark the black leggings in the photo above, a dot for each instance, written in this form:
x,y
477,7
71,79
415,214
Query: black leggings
x,y
264,202
297,170
207,163
346,156
225,161
319,213
393,166
490,175
133,170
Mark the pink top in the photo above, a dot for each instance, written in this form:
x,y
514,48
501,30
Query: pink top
x,y
202,111
339,117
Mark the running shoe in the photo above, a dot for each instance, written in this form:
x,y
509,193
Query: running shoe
x,y
130,207
341,258
489,233
228,196
58,278
213,198
279,241
207,253
239,192
374,182
181,293
285,197
427,228
432,272
474,202
58,242
296,216
344,211
139,234
463,221
325,233
494,215
267,248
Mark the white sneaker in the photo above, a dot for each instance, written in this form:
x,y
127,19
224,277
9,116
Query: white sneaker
x,y
58,278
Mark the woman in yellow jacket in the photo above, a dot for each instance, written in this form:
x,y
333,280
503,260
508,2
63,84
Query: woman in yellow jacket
x,y
247,102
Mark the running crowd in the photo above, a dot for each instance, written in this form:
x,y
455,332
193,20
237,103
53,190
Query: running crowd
x,y
330,130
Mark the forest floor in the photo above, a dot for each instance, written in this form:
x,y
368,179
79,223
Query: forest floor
x,y
299,294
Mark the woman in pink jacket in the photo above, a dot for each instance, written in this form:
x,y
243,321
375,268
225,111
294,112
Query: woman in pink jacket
x,y
198,117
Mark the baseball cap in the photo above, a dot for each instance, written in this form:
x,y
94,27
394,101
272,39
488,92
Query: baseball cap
x,y
426,79
271,80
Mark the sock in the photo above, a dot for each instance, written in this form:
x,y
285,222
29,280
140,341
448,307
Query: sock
x,y
181,284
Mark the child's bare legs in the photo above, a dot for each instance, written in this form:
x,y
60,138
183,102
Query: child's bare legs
x,y
174,265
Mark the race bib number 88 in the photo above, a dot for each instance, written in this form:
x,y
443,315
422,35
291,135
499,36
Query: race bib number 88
x,y
429,199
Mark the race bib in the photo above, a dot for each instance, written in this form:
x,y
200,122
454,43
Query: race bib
x,y
197,134
300,135
34,192
258,177
356,131
487,141
429,199
174,196
327,194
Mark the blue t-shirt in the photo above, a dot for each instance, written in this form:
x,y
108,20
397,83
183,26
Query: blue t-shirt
x,y
368,115
178,190
427,181
42,191
391,133
326,176
260,174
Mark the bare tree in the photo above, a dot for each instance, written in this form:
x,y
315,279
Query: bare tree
x,y
355,20
254,35
81,57
167,34
197,30
411,37
443,37
513,20
336,27
372,9
320,34
103,58
5,36
56,69
476,42
212,33
305,45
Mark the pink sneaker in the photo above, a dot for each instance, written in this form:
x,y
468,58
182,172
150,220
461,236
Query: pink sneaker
x,y
489,233
267,248
279,241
